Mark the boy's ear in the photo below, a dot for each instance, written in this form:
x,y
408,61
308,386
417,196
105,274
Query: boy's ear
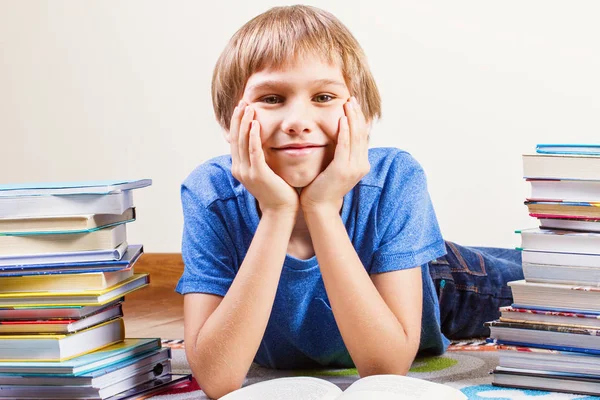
x,y
227,135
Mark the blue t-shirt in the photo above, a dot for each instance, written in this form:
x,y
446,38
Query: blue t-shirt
x,y
388,216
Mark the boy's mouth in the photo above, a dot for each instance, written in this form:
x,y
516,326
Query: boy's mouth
x,y
299,149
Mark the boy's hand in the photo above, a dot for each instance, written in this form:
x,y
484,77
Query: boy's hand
x,y
248,165
349,165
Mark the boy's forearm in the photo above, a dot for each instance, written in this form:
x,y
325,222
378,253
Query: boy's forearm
x,y
227,343
353,297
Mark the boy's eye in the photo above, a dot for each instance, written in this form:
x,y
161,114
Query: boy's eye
x,y
271,99
323,98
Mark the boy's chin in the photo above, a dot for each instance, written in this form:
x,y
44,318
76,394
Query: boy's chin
x,y
298,181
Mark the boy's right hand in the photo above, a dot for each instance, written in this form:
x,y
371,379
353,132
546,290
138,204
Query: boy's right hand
x,y
248,165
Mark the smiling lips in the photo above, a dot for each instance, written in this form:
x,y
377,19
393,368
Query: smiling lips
x,y
299,149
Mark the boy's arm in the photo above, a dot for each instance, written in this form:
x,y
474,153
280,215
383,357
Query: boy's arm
x,y
221,344
379,320
222,335
379,317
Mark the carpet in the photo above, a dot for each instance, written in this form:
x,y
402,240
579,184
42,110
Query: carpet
x,y
465,366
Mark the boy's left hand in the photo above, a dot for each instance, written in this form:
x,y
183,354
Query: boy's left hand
x,y
349,165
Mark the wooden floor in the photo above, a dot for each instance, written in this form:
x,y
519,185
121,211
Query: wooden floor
x,y
156,310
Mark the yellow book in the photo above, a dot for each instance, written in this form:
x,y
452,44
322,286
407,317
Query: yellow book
x,y
43,347
102,239
63,282
63,223
78,298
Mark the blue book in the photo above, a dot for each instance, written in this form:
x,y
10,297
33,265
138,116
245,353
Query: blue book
x,y
70,188
131,255
575,149
85,364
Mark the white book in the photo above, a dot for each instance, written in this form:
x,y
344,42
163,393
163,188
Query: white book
x,y
560,241
556,258
76,204
575,167
555,296
585,225
566,275
65,257
564,190
376,387
103,239
69,188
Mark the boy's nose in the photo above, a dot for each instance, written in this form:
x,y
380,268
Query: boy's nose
x,y
298,121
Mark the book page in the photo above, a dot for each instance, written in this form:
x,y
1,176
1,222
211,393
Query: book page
x,y
393,387
295,388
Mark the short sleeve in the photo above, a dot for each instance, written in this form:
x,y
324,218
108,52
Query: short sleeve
x,y
407,227
206,249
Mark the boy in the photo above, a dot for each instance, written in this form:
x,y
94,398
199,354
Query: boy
x,y
304,248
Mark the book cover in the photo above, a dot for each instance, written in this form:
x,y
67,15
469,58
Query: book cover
x,y
544,327
560,241
70,188
46,312
561,166
565,148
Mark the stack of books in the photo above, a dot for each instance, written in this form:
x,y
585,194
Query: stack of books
x,y
65,267
550,337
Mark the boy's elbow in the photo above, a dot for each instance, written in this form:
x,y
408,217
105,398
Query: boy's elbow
x,y
216,390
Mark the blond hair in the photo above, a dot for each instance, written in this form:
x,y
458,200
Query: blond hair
x,y
277,38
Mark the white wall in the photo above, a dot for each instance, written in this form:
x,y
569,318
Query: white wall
x,y
121,89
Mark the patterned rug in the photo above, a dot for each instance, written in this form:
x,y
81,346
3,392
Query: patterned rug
x,y
465,366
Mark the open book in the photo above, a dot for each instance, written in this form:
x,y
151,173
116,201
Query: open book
x,y
376,387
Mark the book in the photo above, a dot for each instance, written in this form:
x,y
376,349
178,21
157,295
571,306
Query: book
x,y
56,312
76,204
580,149
80,298
64,282
548,360
59,326
63,224
557,258
525,315
535,334
560,241
84,392
561,166
571,224
564,190
70,188
115,353
103,239
46,347
575,210
561,274
19,261
544,380
568,298
161,384
382,387
130,256
101,377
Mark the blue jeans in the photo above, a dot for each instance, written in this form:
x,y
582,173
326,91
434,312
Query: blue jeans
x,y
471,286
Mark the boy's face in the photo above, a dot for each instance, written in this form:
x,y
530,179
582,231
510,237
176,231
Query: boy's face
x,y
299,108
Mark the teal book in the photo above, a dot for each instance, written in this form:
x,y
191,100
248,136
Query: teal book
x,y
565,148
82,365
70,188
